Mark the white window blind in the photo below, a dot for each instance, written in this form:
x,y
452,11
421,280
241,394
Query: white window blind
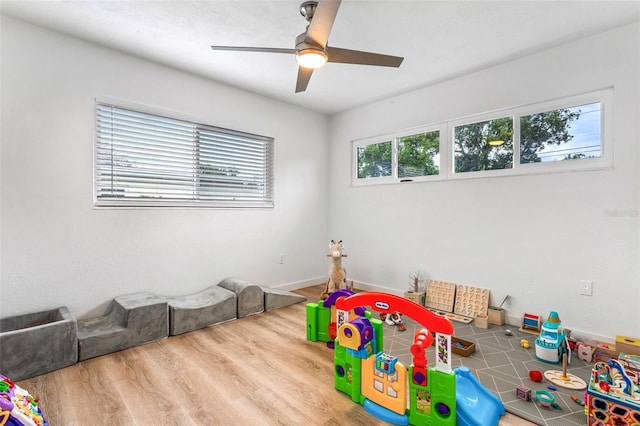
x,y
143,159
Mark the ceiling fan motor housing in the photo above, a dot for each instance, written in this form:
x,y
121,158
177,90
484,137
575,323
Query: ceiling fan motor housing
x,y
303,43
307,9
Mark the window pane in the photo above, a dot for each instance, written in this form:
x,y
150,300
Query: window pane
x,y
231,166
142,156
419,155
375,160
145,159
487,145
562,134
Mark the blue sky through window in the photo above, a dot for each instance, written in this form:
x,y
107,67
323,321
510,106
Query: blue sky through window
x,y
587,136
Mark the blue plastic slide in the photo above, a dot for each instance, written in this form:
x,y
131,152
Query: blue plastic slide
x,y
475,405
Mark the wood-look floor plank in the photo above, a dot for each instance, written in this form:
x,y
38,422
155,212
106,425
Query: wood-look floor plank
x,y
258,371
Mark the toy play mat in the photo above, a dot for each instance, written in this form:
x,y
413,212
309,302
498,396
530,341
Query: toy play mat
x,y
501,365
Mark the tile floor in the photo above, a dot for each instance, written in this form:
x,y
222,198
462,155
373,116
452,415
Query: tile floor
x,y
501,365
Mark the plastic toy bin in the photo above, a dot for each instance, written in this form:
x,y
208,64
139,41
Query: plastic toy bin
x,y
37,343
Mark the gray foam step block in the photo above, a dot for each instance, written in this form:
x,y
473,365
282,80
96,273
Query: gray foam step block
x,y
37,343
134,319
208,307
250,296
275,298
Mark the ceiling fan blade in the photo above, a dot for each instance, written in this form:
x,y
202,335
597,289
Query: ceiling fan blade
x,y
322,21
304,75
347,56
254,49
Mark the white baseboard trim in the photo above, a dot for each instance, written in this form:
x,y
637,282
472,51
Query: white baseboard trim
x,y
296,285
512,320
372,287
576,334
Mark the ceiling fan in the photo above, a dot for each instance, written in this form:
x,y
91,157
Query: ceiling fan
x,y
312,50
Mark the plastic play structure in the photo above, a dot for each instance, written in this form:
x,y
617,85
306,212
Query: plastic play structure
x,y
18,407
613,395
387,389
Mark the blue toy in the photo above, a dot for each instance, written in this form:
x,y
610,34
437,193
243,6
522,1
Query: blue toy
x,y
552,342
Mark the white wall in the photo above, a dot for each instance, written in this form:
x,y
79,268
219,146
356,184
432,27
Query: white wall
x,y
57,249
532,237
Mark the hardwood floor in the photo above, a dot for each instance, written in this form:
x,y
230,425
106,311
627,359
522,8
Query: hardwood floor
x,y
259,370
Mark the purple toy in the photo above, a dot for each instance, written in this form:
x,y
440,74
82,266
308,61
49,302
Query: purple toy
x,y
18,407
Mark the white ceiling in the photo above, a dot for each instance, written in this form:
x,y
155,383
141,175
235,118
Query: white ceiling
x,y
438,39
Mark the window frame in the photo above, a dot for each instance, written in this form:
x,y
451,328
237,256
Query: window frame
x,y
394,160
447,142
394,139
200,130
603,96
451,166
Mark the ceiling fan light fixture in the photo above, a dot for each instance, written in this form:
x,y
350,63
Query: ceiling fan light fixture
x,y
311,48
311,58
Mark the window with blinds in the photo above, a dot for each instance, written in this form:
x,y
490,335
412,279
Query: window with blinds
x,y
143,159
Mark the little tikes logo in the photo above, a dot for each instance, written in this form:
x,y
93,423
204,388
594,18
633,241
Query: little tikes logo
x,y
381,305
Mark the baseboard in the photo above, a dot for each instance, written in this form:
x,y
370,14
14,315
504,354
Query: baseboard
x,y
321,280
576,334
372,287
296,285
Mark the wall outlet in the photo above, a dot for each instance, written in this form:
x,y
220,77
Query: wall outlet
x,y
586,288
282,258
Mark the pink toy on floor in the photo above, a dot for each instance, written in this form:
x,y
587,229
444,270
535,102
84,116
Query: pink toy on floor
x,y
585,352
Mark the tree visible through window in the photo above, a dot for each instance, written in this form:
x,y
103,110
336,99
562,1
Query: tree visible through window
x,y
550,136
416,155
561,134
487,145
419,155
556,135
375,160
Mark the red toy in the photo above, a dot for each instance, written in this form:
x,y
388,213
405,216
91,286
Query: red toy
x,y
535,375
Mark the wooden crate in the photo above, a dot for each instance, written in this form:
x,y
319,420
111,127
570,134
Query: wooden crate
x,y
462,347
496,315
481,321
415,297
